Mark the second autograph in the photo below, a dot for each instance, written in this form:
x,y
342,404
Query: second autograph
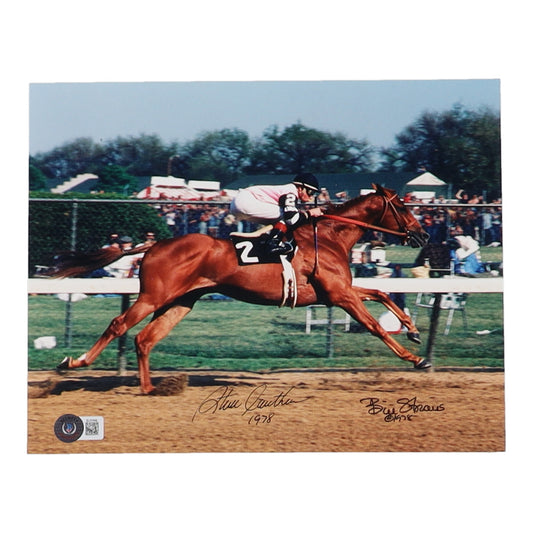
x,y
403,409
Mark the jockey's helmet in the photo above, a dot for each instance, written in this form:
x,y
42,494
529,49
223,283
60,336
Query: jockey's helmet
x,y
308,181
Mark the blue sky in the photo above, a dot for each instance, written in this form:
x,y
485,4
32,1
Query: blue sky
x,y
371,110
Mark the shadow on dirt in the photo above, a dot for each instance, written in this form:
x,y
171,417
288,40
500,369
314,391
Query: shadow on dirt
x,y
57,385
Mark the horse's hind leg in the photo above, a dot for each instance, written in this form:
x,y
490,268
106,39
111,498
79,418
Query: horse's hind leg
x,y
159,327
378,296
118,326
352,303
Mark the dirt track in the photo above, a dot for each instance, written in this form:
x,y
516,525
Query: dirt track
x,y
274,412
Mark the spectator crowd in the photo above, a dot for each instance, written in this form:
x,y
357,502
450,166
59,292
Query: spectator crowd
x,y
476,219
209,219
442,219
483,223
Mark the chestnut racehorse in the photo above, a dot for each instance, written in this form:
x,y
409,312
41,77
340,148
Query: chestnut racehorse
x,y
175,273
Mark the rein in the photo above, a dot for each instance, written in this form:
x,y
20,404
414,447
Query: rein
x,y
388,204
364,225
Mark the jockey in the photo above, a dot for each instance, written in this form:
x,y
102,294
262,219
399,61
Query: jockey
x,y
276,204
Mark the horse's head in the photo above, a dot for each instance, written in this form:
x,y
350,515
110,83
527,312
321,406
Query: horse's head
x,y
397,217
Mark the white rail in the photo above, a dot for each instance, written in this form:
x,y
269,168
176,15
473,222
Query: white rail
x,y
83,285
442,285
406,285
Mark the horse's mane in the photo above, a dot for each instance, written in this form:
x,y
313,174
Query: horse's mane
x,y
342,209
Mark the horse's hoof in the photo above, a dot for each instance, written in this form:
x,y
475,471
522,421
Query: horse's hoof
x,y
414,337
423,364
64,365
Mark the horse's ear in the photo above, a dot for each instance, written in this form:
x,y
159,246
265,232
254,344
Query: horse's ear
x,y
378,188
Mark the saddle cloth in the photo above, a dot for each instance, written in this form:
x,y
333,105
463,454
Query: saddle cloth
x,y
251,249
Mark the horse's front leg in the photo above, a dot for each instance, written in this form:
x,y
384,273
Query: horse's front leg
x,y
158,328
378,296
350,300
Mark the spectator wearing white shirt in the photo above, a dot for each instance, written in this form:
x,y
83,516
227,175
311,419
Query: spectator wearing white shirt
x,y
464,252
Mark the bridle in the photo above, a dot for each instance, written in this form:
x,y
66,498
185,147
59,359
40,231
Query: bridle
x,y
402,231
402,226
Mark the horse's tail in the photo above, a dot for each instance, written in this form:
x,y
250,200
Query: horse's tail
x,y
72,264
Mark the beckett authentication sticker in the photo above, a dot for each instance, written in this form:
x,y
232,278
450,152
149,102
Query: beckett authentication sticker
x,y
94,428
70,428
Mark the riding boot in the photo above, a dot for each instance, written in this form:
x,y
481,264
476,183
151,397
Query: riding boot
x,y
276,245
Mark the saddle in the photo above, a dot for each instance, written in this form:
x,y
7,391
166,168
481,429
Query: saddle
x,y
252,249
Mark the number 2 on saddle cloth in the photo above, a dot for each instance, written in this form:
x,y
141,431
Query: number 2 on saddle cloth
x,y
252,250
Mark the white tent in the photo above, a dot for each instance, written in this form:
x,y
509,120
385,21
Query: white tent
x,y
427,179
427,186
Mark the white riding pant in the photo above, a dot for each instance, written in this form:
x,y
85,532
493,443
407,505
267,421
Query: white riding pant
x,y
245,206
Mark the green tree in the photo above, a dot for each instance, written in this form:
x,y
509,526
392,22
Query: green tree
x,y
299,148
220,155
114,178
460,146
144,155
80,156
37,179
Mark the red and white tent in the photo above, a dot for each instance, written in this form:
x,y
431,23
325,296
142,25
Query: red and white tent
x,y
168,187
